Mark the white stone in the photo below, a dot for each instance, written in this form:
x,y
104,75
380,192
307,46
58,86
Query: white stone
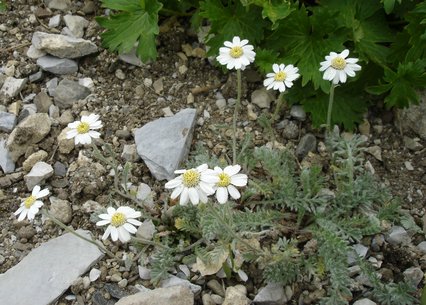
x,y
298,112
235,296
164,143
87,82
176,281
62,5
271,294
51,86
54,21
144,273
48,270
262,98
40,172
146,230
398,235
63,46
365,302
6,162
76,24
60,209
131,58
414,275
94,274
421,246
7,121
129,153
178,295
35,53
12,86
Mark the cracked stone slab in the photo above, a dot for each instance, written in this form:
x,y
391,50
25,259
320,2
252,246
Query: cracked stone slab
x,y
164,143
48,271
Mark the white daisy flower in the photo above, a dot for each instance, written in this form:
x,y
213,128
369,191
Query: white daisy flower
x,y
30,206
193,184
237,54
337,67
228,180
121,222
282,77
83,131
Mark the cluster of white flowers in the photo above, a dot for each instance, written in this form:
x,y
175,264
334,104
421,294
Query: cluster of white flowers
x,y
238,54
196,184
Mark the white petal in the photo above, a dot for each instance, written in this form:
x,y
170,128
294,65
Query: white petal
x,y
228,44
35,191
104,216
206,188
236,40
344,54
42,193
103,222
94,134
123,235
184,197
23,215
107,232
38,204
342,76
134,222
173,183
268,81
71,133
232,169
129,228
276,68
203,196
176,192
329,74
324,65
239,180
114,233
222,195
84,138
74,125
110,210
233,192
19,210
209,178
202,167
193,195
349,71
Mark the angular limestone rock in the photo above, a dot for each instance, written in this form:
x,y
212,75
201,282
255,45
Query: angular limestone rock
x,y
164,143
48,271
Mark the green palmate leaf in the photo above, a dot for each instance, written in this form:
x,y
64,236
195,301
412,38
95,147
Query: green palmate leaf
x,y
305,40
367,25
265,58
276,11
402,84
233,20
136,23
348,107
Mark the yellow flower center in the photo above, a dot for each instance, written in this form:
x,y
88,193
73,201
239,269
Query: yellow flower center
x,y
118,219
280,76
191,178
338,63
29,201
224,180
83,127
236,52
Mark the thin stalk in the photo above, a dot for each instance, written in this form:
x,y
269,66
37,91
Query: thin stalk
x,y
72,231
280,101
234,122
330,107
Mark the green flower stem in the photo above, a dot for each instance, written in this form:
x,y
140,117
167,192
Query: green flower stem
x,y
72,231
280,101
234,122
330,107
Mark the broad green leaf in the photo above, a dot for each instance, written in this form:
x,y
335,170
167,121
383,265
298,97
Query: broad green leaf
x,y
265,58
276,12
234,20
402,84
132,25
305,40
388,5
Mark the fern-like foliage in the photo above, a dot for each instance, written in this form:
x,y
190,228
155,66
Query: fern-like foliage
x,y
162,262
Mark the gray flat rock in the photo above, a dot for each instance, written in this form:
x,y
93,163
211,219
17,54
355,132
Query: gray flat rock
x,y
271,294
57,65
177,295
164,143
76,25
40,172
7,121
63,46
68,92
47,271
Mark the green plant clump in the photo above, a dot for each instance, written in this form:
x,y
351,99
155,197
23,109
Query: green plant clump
x,y
388,36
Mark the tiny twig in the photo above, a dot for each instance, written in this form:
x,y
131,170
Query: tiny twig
x,y
12,48
204,89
